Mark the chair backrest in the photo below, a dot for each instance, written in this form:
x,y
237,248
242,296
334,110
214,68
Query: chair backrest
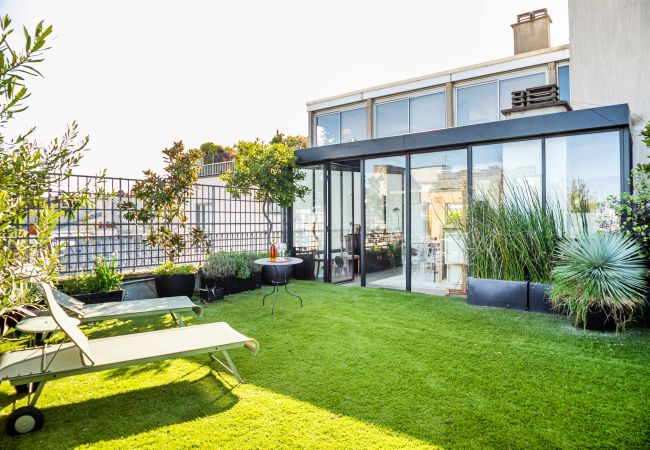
x,y
68,326
70,304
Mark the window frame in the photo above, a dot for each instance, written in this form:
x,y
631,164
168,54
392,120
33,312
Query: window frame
x,y
566,63
492,79
338,112
408,97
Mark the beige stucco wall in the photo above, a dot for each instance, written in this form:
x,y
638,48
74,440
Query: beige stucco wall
x,y
610,59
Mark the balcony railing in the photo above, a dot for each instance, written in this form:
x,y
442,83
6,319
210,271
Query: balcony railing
x,y
215,169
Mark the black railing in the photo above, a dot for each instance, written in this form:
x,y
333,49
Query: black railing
x,y
101,230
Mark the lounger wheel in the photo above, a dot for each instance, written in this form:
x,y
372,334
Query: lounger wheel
x,y
24,420
24,388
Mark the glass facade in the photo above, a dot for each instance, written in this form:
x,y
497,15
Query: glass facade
x,y
406,207
328,129
427,112
385,206
582,172
499,170
309,238
438,199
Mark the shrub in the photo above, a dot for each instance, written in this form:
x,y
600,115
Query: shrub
x,y
169,268
219,265
603,271
512,238
105,278
242,269
633,210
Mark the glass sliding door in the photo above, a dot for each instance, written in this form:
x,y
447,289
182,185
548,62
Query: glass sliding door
x,y
438,202
342,256
385,203
309,238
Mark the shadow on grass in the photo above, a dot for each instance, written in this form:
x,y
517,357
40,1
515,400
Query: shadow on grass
x,y
134,412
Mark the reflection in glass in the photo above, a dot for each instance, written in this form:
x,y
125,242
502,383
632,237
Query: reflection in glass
x,y
477,104
354,125
427,112
564,83
385,208
327,129
583,170
392,118
438,199
309,223
506,87
496,165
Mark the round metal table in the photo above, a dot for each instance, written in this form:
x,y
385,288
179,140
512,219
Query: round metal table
x,y
40,327
277,280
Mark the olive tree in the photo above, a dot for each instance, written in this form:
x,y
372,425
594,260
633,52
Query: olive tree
x,y
29,253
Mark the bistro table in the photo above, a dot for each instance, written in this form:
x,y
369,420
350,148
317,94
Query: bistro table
x,y
277,279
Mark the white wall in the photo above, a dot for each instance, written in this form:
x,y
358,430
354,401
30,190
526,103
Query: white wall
x,y
610,59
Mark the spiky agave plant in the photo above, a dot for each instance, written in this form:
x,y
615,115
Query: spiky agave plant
x,y
603,271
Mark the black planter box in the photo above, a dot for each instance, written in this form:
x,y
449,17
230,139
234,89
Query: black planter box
x,y
499,293
257,276
304,270
175,285
246,284
538,299
228,284
100,297
269,274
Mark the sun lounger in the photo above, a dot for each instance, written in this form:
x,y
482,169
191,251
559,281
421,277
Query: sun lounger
x,y
35,366
126,309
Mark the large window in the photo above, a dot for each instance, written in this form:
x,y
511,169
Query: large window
x,y
582,172
392,118
385,203
483,102
343,126
500,170
477,104
438,203
410,115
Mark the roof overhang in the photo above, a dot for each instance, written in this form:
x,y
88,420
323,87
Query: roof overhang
x,y
584,120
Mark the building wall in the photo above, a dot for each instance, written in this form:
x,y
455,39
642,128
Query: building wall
x,y
610,59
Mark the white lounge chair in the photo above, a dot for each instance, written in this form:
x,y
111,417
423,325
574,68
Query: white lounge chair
x,y
126,309
35,366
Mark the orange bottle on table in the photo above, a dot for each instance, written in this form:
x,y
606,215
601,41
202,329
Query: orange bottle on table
x,y
273,252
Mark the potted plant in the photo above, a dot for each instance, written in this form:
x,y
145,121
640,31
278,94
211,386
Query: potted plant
x,y
269,172
509,241
160,202
599,280
219,270
104,284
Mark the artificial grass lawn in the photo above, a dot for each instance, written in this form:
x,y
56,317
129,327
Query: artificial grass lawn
x,y
364,368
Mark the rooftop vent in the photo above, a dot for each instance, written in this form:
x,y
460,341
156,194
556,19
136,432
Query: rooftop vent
x,y
532,31
535,101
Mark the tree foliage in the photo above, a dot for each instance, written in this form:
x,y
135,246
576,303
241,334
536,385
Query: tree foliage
x,y
215,153
294,142
27,173
162,198
272,169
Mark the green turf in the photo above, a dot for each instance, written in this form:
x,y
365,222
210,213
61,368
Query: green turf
x,y
365,368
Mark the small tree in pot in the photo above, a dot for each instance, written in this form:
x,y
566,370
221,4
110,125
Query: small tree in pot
x,y
160,203
599,280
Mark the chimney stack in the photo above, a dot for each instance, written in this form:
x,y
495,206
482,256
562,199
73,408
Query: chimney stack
x,y
532,31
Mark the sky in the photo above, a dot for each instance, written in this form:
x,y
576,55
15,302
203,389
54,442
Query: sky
x,y
140,75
